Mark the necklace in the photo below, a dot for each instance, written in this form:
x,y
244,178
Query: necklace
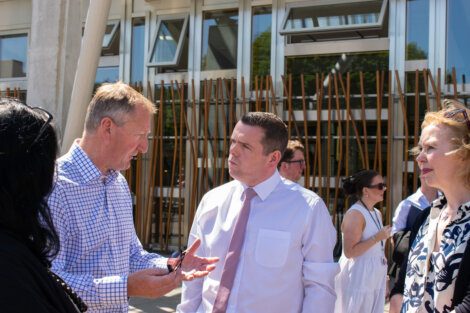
x,y
376,222
76,300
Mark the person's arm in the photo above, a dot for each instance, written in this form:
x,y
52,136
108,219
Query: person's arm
x,y
399,218
396,294
95,291
139,259
463,283
319,269
352,228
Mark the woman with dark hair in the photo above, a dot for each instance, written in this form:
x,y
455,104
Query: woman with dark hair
x,y
437,276
361,284
28,241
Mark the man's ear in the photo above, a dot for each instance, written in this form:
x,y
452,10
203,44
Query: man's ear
x,y
106,125
274,158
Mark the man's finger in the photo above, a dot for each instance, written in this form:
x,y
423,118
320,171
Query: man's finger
x,y
192,249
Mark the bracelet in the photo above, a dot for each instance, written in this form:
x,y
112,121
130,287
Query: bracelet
x,y
374,239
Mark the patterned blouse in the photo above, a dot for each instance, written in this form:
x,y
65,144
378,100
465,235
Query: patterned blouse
x,y
430,276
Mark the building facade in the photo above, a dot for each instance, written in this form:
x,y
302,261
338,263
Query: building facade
x,y
351,78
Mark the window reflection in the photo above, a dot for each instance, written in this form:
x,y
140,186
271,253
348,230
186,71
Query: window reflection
x,y
417,29
261,42
106,74
137,52
458,44
166,43
366,62
13,56
219,40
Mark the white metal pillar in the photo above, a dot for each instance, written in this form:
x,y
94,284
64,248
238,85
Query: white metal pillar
x,y
95,27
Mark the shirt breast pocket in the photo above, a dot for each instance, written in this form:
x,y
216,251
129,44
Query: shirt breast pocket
x,y
272,247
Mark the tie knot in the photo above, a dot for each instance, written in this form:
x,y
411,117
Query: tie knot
x,y
249,194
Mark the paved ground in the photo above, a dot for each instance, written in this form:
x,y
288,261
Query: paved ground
x,y
165,304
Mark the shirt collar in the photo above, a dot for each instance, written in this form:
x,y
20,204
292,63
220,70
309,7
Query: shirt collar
x,y
86,168
418,197
264,189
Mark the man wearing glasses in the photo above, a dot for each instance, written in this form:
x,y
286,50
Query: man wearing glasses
x,y
292,164
100,256
274,238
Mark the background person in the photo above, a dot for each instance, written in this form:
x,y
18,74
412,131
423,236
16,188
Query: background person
x,y
28,149
286,259
101,256
408,209
361,284
438,271
292,164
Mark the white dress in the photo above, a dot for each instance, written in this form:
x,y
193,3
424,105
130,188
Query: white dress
x,y
360,286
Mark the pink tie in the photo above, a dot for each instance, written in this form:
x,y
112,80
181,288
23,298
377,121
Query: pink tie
x,y
233,255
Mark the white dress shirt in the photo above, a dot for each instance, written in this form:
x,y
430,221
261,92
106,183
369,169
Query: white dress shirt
x,y
401,212
286,264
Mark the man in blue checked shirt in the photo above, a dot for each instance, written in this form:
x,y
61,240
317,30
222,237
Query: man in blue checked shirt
x,y
100,256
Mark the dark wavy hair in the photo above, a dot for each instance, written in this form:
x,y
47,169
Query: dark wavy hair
x,y
352,185
275,130
27,164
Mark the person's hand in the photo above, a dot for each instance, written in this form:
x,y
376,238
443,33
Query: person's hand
x,y
193,266
387,288
395,303
384,233
150,283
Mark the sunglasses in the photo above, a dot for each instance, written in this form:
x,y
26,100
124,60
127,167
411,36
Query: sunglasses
x,y
452,113
47,116
301,162
43,127
379,186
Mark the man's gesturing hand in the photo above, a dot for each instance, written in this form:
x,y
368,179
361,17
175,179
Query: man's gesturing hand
x,y
153,283
193,266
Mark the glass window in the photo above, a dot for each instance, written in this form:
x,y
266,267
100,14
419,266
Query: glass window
x,y
111,38
110,33
417,29
219,40
366,62
323,22
106,74
458,44
13,56
137,50
261,42
168,41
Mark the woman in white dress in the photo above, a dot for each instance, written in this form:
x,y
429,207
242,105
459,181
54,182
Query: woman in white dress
x,y
361,284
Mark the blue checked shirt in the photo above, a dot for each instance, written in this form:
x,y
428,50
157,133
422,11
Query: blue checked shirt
x,y
92,214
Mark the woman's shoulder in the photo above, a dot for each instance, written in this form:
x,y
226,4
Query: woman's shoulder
x,y
356,207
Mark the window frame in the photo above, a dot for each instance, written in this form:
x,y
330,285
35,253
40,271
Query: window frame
x,y
179,47
330,29
9,82
108,39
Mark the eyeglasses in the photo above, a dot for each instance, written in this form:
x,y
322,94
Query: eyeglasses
x,y
43,128
452,113
301,162
379,186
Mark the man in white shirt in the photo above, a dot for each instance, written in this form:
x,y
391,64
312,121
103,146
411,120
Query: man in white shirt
x,y
286,262
407,209
292,163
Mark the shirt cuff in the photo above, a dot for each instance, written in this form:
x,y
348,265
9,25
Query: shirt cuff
x,y
112,290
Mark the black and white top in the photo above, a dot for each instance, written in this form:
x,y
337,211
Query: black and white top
x,y
430,276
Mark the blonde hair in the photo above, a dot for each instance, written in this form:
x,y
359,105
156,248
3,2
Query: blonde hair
x,y
116,101
452,117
